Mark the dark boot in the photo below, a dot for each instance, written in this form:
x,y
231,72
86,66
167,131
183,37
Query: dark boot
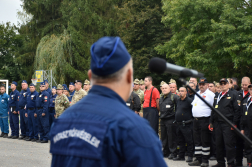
x,y
5,135
2,134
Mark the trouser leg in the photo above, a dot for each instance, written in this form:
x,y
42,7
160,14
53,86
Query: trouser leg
x,y
188,136
45,126
229,141
172,136
197,140
239,148
22,122
16,124
11,123
1,125
30,124
181,142
151,114
219,143
164,137
205,139
5,124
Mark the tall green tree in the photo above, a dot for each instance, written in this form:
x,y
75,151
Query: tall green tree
x,y
213,37
10,45
141,29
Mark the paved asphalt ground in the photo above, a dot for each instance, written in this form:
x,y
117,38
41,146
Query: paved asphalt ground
x,y
20,153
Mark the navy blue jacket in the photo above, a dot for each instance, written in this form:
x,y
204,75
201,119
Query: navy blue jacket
x,y
49,91
31,100
4,104
101,131
71,95
52,100
13,100
42,102
23,98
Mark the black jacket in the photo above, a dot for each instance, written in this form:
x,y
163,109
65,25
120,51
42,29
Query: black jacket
x,y
242,101
168,106
228,106
134,102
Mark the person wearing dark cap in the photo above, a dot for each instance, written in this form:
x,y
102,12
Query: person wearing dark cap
x,y
79,92
52,106
134,102
117,136
13,111
247,125
201,113
42,113
4,112
47,87
22,110
66,92
30,111
226,103
71,90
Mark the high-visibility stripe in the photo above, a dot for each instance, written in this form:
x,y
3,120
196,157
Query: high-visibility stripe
x,y
198,147
205,153
198,152
205,148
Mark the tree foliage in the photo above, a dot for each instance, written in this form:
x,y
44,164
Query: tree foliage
x,y
211,36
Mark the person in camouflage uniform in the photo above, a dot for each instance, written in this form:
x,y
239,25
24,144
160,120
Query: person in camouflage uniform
x,y
138,91
79,92
161,84
142,86
61,101
86,86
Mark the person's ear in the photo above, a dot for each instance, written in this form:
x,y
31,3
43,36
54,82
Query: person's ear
x,y
130,76
89,74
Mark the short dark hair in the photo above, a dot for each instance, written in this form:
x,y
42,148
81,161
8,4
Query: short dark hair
x,y
211,83
149,78
2,86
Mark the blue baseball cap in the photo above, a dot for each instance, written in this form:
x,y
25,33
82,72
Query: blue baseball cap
x,y
54,87
32,84
14,82
71,83
108,55
42,83
46,81
24,81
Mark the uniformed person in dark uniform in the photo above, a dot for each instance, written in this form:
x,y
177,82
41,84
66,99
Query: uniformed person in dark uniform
x,y
247,117
100,130
22,110
226,103
71,90
184,122
13,111
30,110
242,102
47,87
167,105
52,106
42,113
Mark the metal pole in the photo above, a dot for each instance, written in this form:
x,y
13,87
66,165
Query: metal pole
x,y
236,130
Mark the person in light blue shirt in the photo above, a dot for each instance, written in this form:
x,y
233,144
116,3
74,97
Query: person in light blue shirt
x,y
4,104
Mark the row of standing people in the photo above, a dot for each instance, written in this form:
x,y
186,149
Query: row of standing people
x,y
36,110
186,120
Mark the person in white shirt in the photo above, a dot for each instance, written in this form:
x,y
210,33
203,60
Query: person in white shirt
x,y
201,113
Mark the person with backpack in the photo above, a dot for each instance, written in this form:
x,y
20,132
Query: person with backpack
x,y
167,105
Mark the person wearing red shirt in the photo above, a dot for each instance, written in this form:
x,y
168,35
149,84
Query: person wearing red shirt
x,y
151,103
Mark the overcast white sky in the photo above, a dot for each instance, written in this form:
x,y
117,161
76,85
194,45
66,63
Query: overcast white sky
x,y
8,10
